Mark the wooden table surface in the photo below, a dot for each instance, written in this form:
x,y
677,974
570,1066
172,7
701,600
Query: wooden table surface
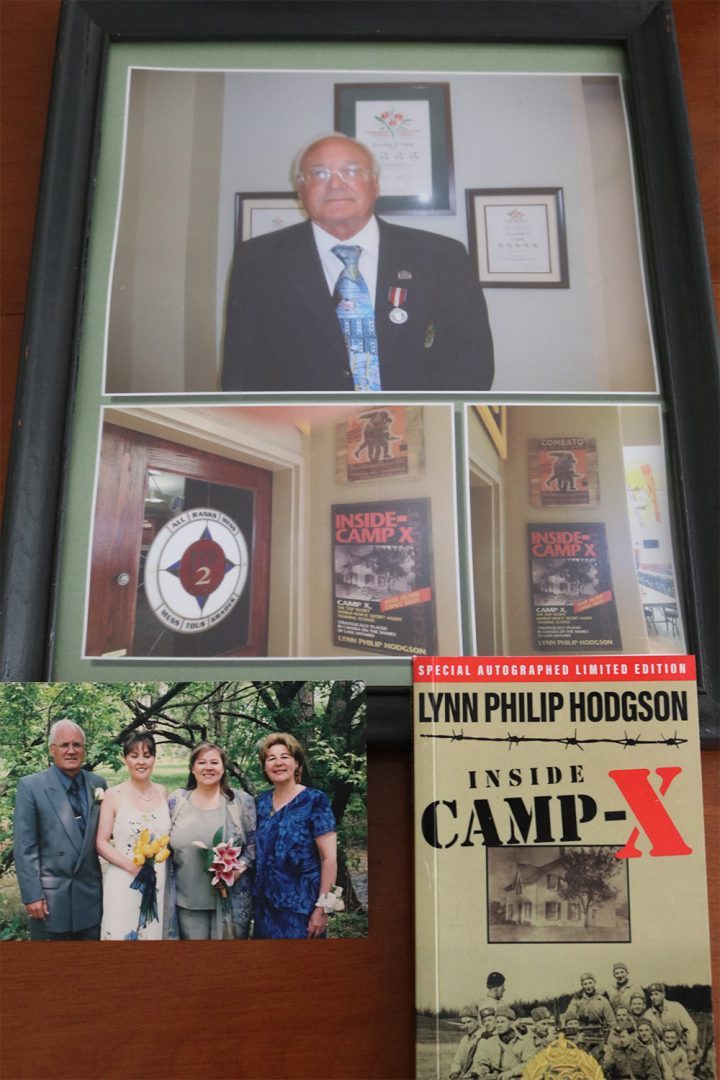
x,y
257,1010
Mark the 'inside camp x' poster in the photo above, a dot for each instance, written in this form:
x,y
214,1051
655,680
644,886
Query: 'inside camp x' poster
x,y
384,597
561,899
573,600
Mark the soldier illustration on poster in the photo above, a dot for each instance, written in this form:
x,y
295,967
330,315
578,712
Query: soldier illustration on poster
x,y
377,442
563,472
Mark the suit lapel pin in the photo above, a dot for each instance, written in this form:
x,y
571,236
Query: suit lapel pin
x,y
404,275
429,336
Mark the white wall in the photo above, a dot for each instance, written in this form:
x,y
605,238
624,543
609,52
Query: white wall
x,y
512,131
195,139
163,330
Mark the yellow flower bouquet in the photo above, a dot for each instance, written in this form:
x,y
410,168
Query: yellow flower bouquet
x,y
147,852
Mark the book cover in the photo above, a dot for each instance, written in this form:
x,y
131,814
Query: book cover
x,y
561,896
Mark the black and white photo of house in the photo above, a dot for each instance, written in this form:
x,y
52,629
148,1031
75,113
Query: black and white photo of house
x,y
374,571
557,893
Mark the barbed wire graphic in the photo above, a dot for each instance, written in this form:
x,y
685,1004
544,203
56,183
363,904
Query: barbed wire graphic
x,y
628,742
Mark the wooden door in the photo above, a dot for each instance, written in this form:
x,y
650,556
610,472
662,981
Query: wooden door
x,y
181,552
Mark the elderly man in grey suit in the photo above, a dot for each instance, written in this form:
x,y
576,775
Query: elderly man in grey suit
x,y
56,816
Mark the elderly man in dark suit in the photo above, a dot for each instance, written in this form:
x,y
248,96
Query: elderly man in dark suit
x,y
56,816
346,301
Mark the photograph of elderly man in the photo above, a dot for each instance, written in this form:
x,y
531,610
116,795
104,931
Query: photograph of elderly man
x,y
56,817
346,301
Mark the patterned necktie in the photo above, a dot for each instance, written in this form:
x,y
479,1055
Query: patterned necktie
x,y
356,313
76,803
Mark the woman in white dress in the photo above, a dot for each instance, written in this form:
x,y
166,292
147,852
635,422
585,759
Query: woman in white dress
x,y
136,804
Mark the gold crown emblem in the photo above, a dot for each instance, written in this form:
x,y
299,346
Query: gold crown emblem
x,y
564,1060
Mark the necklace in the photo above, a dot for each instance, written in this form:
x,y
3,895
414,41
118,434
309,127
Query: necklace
x,y
145,798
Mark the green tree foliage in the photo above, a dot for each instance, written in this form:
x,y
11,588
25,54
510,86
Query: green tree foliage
x,y
27,712
328,718
497,913
587,875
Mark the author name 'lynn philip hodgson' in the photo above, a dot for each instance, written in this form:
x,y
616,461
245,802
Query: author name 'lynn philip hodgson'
x,y
500,703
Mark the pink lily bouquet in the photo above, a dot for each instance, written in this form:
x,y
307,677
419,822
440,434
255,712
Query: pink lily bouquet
x,y
221,861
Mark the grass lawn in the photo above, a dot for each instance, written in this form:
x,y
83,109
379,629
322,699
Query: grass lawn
x,y
14,925
436,1043
171,773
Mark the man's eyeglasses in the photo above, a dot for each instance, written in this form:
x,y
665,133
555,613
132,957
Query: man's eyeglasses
x,y
320,174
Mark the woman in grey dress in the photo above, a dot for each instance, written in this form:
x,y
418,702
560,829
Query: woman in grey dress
x,y
195,910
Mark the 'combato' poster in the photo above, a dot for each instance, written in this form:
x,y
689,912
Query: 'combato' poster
x,y
383,593
563,472
560,884
573,601
372,443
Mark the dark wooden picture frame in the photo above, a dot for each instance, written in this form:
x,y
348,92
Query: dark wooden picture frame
x,y
681,301
442,165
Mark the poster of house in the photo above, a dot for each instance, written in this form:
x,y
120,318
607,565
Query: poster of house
x,y
383,593
573,602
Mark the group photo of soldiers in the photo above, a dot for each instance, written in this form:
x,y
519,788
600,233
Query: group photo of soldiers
x,y
634,1032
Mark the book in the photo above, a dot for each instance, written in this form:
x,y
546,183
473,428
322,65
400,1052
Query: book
x,y
561,895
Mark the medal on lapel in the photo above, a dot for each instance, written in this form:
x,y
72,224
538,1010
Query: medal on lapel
x,y
397,297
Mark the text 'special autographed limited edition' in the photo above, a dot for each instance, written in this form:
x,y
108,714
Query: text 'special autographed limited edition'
x,y
561,898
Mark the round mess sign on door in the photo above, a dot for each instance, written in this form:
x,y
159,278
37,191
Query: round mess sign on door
x,y
196,570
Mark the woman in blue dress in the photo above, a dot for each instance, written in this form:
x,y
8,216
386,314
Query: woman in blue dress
x,y
296,848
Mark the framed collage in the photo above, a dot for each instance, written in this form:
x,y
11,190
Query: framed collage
x,y
221,474
158,338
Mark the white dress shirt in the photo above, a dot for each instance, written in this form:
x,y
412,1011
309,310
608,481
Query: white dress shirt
x,y
368,238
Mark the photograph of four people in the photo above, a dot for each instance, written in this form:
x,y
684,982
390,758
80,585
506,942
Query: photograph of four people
x,y
206,862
